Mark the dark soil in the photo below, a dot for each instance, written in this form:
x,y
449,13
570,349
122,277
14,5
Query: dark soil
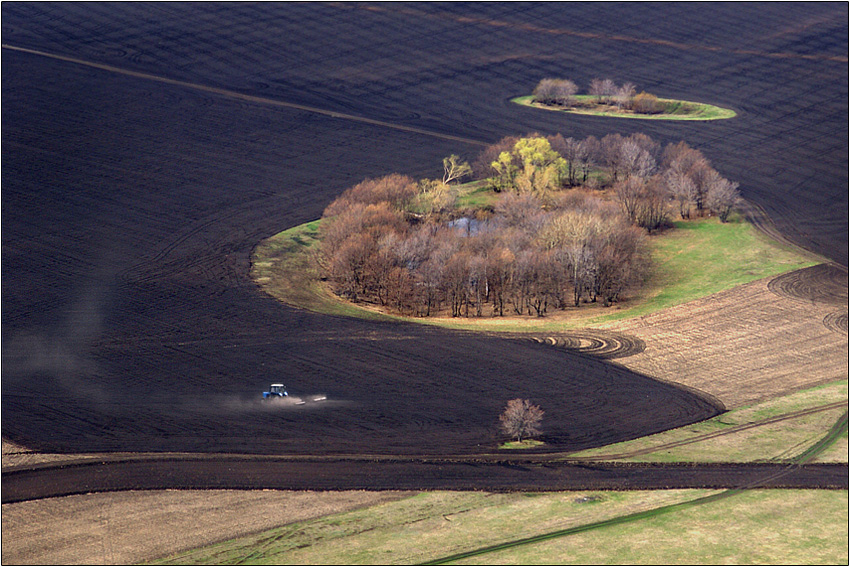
x,y
340,474
131,206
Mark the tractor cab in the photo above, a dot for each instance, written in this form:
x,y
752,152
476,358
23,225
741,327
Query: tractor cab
x,y
275,391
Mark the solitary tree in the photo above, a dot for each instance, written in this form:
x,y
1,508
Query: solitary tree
x,y
521,419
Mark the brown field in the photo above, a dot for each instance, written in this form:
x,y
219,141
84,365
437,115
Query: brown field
x,y
132,527
147,148
749,343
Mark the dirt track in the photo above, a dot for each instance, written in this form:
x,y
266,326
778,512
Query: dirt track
x,y
131,205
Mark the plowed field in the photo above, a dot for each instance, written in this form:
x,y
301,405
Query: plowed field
x,y
148,147
751,343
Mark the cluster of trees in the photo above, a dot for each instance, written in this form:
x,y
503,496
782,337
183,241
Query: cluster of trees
x,y
561,92
405,245
644,178
519,257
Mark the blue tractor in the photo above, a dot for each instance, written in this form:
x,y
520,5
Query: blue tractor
x,y
275,391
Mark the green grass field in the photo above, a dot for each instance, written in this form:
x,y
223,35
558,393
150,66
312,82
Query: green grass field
x,y
702,257
785,440
695,259
635,527
674,110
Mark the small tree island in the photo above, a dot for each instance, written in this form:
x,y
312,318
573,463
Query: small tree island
x,y
549,224
606,98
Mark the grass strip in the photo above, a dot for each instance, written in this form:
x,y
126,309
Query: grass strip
x,y
587,527
695,259
674,109
726,431
835,432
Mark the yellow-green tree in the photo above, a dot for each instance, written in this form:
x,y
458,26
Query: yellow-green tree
x,y
532,166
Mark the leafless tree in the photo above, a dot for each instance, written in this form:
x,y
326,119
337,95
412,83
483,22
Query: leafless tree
x,y
609,153
555,91
681,189
574,153
603,90
629,194
703,176
395,189
722,196
652,210
482,165
634,160
624,95
588,160
652,147
521,419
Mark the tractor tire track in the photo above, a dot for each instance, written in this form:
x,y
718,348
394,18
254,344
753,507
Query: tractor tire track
x,y
824,283
594,342
713,435
836,321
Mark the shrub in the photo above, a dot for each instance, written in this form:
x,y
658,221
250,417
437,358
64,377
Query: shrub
x,y
645,103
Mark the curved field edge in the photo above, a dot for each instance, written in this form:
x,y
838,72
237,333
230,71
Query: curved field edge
x,y
586,527
809,425
693,260
700,111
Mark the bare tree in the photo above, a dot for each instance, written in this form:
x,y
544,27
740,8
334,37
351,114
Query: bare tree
x,y
624,95
434,198
629,194
609,153
652,147
574,153
652,211
395,189
722,196
588,156
482,165
555,91
603,90
703,176
521,419
634,160
454,169
681,189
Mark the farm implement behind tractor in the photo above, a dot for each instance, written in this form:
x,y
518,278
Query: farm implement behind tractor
x,y
277,392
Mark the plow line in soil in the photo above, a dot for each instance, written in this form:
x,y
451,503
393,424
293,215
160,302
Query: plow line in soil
x,y
244,97
246,472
